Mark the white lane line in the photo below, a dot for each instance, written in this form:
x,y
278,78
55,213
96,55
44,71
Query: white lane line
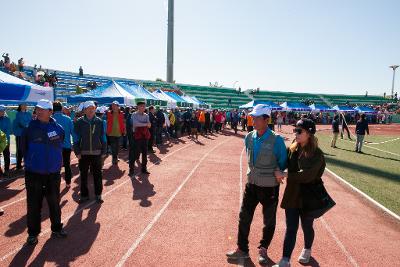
x,y
158,215
339,243
383,142
370,199
91,203
241,261
388,152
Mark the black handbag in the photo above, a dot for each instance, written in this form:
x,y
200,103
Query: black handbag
x,y
316,200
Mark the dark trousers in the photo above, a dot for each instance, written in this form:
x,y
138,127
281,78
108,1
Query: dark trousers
x,y
6,155
186,128
67,164
114,143
132,147
18,141
159,131
344,128
268,197
292,224
39,186
124,142
141,148
96,164
150,143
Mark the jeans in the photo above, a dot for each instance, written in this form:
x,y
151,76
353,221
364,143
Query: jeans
x,y
96,164
359,142
292,224
268,197
37,187
66,154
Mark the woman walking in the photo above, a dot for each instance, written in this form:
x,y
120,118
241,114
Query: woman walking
x,y
306,164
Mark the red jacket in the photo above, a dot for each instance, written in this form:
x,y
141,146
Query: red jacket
x,y
110,120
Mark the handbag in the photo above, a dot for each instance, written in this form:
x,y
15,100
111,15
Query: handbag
x,y
316,200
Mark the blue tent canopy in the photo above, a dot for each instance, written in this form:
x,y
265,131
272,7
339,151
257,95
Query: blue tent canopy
x,y
321,108
366,110
106,94
179,100
344,108
253,103
14,90
295,106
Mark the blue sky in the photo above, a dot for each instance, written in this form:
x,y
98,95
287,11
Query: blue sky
x,y
327,46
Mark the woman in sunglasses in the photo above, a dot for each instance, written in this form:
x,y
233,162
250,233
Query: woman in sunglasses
x,y
306,164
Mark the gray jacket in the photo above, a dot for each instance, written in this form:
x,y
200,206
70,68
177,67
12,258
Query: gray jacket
x,y
89,136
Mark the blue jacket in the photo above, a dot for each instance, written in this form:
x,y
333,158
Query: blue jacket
x,y
68,127
5,126
21,121
42,147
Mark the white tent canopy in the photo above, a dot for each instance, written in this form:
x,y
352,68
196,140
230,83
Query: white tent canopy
x,y
171,103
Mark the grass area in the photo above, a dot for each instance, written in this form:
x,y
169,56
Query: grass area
x,y
375,173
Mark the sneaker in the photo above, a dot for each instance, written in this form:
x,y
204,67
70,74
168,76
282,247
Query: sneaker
x,y
83,199
282,263
237,254
59,234
262,256
305,256
32,240
99,200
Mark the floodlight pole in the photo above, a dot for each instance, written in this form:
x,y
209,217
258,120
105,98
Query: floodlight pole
x,y
394,67
170,42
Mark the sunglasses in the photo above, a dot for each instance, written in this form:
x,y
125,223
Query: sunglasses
x,y
298,130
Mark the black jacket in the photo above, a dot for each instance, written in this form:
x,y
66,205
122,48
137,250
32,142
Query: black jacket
x,y
362,127
90,136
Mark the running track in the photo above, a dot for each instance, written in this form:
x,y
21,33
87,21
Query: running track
x,y
185,214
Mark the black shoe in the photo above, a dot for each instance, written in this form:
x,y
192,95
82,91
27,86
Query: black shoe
x,y
32,240
83,199
99,200
59,234
1,212
144,171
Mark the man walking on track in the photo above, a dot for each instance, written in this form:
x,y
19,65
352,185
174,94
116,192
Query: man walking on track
x,y
140,126
42,144
89,147
344,127
266,152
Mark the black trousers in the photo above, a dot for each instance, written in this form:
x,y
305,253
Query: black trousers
x,y
18,141
159,130
96,165
132,146
114,143
66,154
6,155
268,197
150,143
39,186
292,225
141,148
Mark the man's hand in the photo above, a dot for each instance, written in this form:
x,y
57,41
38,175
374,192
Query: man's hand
x,y
280,176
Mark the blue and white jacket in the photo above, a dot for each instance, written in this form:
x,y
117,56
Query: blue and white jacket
x,y
42,145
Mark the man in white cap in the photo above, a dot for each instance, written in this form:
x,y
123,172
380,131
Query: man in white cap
x,y
90,146
266,152
42,144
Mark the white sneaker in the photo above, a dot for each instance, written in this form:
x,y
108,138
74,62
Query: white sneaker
x,y
305,256
284,262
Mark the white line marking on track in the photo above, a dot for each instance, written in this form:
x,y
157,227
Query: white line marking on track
x,y
392,153
92,202
339,243
160,213
241,261
370,199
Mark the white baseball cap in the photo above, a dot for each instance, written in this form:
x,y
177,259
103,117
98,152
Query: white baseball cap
x,y
45,104
260,109
89,104
116,102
